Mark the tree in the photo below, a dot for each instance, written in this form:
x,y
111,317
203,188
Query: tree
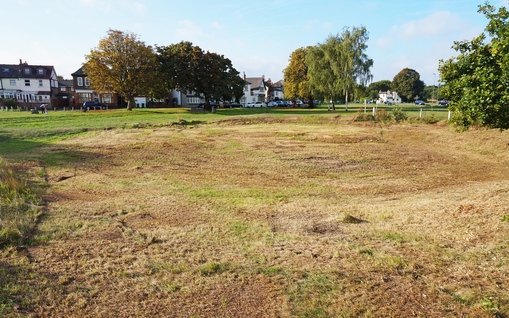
x,y
408,84
339,64
188,68
376,87
296,76
121,64
429,93
476,80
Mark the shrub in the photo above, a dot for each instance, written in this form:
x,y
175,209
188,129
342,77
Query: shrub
x,y
399,114
382,116
10,102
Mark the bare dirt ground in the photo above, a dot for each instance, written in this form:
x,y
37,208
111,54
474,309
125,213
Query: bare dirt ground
x,y
273,218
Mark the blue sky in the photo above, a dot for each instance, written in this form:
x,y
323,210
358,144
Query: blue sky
x,y
257,36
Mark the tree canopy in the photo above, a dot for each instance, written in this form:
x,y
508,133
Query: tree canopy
x,y
190,69
376,87
407,83
476,81
121,64
296,76
338,65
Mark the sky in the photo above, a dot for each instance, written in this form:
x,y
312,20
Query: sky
x,y
257,36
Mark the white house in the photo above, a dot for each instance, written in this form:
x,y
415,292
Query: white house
x,y
30,85
255,90
389,96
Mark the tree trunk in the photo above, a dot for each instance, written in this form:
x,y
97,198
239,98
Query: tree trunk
x,y
131,103
346,100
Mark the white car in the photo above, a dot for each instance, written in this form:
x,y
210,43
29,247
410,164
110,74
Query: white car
x,y
256,105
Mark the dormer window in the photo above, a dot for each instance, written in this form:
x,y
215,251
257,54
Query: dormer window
x,y
27,70
40,71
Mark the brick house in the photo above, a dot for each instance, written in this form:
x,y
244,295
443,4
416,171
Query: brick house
x,y
83,92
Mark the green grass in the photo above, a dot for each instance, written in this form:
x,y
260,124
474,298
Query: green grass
x,y
19,208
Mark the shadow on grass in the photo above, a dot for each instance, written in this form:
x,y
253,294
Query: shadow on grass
x,y
20,286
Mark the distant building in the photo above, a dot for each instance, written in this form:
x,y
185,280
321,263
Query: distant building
x,y
388,96
30,85
83,92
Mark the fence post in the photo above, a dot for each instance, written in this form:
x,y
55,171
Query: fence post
x,y
420,113
449,116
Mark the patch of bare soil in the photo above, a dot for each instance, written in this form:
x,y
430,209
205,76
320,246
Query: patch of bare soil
x,y
271,219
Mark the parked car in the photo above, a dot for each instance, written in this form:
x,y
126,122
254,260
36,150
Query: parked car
x,y
233,105
272,104
443,102
255,105
419,102
388,102
93,104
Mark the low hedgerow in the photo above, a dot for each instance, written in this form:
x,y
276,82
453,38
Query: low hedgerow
x,y
19,208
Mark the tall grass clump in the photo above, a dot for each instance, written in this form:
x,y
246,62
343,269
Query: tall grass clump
x,y
19,208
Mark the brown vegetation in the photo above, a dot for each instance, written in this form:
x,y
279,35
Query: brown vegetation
x,y
267,218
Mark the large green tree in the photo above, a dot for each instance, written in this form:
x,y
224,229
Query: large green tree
x,y
477,80
122,64
190,69
407,83
375,88
296,76
337,66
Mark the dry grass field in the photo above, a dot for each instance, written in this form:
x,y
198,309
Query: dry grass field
x,y
270,217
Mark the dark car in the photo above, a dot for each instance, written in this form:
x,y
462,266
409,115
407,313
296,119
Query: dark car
x,y
388,102
233,105
93,104
419,102
443,102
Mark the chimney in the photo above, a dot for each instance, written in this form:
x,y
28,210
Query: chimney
x,y
20,62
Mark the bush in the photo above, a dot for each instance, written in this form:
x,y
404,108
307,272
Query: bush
x,y
382,116
10,102
399,114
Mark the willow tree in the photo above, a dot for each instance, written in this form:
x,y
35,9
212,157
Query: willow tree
x,y
123,65
337,66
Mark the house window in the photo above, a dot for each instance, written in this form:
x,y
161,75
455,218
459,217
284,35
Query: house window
x,y
27,70
83,97
63,89
27,82
12,82
193,100
107,98
87,81
80,81
40,71
40,83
